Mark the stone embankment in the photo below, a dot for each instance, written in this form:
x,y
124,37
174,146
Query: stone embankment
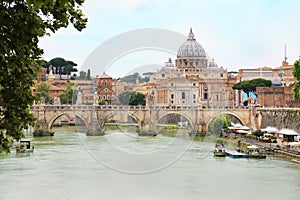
x,y
242,144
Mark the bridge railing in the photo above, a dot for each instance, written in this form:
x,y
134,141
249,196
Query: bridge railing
x,y
126,107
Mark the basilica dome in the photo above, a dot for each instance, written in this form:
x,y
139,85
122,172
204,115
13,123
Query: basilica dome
x,y
191,48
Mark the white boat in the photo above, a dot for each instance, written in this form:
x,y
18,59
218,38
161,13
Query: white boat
x,y
254,152
219,150
24,147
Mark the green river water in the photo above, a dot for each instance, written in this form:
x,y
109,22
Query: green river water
x,y
120,165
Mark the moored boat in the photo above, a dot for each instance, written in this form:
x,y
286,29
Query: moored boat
x,y
254,152
219,150
24,147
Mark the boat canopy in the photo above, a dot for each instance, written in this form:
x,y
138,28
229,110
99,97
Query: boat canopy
x,y
270,129
288,132
252,147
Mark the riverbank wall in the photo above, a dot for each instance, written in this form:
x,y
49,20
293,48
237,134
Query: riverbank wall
x,y
278,153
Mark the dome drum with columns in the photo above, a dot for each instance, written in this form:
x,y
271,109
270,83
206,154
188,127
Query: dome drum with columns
x,y
191,54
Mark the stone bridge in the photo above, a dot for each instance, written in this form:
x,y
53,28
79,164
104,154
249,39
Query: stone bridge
x,y
147,117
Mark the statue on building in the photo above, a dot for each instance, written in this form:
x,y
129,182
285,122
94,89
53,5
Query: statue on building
x,y
96,98
51,76
56,101
79,98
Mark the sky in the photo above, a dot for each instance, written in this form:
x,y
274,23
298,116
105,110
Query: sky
x,y
236,33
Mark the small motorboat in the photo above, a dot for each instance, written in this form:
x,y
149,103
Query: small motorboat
x,y
24,147
255,152
219,150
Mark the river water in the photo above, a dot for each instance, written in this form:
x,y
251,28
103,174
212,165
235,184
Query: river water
x,y
121,165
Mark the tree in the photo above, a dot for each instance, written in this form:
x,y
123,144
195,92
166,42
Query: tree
x,y
137,99
22,24
69,95
125,96
250,85
218,123
132,98
42,91
101,102
296,73
130,78
62,66
88,76
82,75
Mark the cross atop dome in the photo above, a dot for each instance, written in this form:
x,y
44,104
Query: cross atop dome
x,y
191,34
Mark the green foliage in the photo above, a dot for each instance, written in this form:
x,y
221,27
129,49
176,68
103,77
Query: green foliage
x,y
128,97
296,73
22,24
62,66
101,102
85,76
171,127
250,85
82,75
42,92
258,133
137,99
130,78
69,95
218,123
125,96
88,76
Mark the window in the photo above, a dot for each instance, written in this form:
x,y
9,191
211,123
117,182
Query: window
x,y
163,75
183,95
172,84
104,97
106,90
172,102
172,96
205,96
108,97
194,96
194,84
104,83
217,97
221,74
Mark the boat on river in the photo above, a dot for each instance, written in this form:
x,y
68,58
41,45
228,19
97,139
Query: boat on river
x,y
219,150
24,146
235,154
254,152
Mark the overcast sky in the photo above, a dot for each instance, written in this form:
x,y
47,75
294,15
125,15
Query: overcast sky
x,y
236,33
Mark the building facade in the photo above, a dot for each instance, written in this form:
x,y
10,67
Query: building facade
x,y
282,96
104,88
193,80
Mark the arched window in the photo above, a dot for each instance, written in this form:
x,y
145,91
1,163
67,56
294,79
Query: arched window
x,y
104,97
104,83
108,97
183,95
172,96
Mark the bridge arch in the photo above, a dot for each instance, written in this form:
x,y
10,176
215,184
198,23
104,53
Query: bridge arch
x,y
239,118
53,119
192,124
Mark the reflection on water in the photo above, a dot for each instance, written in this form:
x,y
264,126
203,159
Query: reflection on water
x,y
62,168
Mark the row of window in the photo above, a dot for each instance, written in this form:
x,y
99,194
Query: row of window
x,y
105,97
183,96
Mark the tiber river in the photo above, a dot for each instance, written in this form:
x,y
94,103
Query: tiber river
x,y
122,166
